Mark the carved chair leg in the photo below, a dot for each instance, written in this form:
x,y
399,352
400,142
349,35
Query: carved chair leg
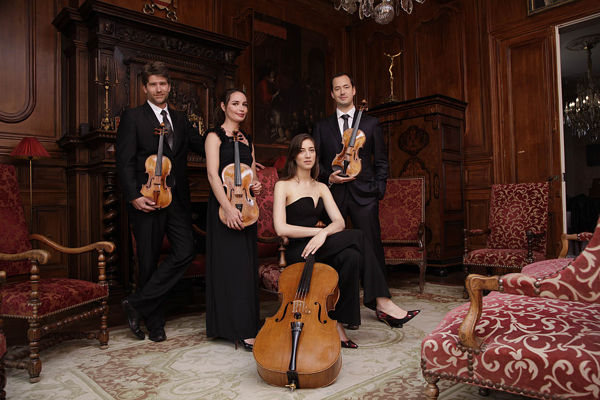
x,y
466,272
484,391
35,364
422,267
103,335
431,391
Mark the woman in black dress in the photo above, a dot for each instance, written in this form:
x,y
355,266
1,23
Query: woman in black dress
x,y
232,310
299,203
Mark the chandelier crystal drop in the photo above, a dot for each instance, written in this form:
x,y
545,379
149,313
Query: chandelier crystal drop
x,y
383,13
582,115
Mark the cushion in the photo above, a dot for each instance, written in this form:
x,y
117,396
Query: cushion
x,y
536,346
399,254
544,268
56,295
515,209
507,258
15,239
197,267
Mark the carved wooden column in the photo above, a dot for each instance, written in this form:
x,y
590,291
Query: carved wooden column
x,y
105,48
425,138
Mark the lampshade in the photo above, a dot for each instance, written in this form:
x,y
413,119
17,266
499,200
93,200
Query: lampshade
x,y
29,148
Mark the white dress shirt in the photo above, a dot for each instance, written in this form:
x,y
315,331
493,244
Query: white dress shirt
x,y
341,120
157,111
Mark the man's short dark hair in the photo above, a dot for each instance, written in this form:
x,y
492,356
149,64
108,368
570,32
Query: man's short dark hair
x,y
342,74
155,68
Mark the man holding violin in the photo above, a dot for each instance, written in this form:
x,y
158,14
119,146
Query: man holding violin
x,y
137,143
357,197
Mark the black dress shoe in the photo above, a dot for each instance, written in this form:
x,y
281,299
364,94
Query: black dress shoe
x,y
396,322
352,327
157,335
133,318
349,344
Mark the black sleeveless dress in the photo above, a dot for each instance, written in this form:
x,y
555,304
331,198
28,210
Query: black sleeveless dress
x,y
232,309
347,253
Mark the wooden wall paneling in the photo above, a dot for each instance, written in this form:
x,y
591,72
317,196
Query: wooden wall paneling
x,y
439,45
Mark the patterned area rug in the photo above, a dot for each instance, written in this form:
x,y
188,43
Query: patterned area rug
x,y
190,366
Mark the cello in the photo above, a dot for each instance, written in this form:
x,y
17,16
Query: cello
x,y
347,160
237,178
299,347
158,167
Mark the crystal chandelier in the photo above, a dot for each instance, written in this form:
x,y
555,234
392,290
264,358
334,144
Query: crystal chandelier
x,y
382,13
582,116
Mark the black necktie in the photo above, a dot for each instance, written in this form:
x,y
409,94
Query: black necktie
x,y
346,126
169,128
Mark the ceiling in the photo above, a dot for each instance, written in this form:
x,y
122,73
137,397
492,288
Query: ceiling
x,y
574,63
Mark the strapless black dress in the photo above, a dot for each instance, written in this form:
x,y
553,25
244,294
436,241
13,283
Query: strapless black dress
x,y
346,252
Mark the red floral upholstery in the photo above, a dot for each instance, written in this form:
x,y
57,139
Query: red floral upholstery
x,y
544,268
268,244
514,209
402,220
578,280
537,347
507,258
56,295
15,239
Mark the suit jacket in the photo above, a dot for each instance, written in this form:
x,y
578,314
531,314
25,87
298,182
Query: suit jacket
x,y
369,184
136,141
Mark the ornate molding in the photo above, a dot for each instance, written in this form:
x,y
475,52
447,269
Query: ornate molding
x,y
30,79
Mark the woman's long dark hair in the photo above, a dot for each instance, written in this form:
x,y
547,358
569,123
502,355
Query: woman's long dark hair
x,y
295,148
219,113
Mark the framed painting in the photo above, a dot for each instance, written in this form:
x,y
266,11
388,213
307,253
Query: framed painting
x,y
536,6
289,83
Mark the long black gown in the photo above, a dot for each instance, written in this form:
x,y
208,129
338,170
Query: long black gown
x,y
347,253
232,309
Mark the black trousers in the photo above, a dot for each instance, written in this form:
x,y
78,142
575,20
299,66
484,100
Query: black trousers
x,y
364,218
155,281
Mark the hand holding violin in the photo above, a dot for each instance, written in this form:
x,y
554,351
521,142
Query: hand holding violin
x,y
233,218
144,204
256,187
336,178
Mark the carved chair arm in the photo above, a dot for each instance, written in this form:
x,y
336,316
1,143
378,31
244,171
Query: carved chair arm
x,y
37,255
473,232
475,285
578,237
197,229
101,247
531,239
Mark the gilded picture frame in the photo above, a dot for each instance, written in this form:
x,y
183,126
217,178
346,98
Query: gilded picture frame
x,y
537,6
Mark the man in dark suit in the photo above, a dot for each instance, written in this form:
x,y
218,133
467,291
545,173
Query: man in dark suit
x,y
357,197
135,142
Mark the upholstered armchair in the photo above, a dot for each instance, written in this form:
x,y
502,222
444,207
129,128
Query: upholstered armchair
x,y
50,304
402,220
538,336
271,248
517,231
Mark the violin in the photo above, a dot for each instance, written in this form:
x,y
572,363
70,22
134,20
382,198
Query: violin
x,y
158,168
299,347
347,161
237,179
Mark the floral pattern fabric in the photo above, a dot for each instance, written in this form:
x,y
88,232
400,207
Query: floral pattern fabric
x,y
544,348
402,209
515,209
268,274
55,294
15,239
578,280
268,177
506,258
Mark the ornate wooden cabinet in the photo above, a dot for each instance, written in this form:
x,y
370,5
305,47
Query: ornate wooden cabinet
x,y
104,50
424,137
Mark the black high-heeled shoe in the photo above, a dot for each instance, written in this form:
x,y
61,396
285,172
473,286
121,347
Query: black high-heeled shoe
x,y
349,344
396,322
247,346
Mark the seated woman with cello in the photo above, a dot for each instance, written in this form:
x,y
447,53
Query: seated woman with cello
x,y
299,202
